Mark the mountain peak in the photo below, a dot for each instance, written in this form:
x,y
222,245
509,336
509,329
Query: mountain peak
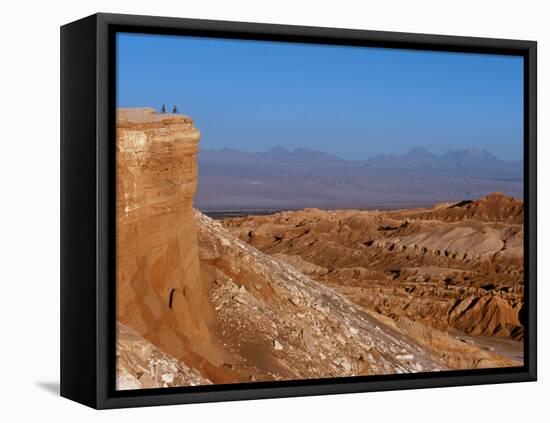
x,y
279,149
476,152
302,150
299,154
419,152
470,157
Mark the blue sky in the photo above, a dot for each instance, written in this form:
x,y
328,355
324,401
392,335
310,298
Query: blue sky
x,y
354,102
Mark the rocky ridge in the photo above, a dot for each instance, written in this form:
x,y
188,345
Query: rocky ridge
x,y
429,265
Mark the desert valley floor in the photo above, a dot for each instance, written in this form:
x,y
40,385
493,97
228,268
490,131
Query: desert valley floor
x,y
306,293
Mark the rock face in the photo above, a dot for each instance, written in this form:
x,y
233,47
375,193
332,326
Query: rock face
x,y
159,291
198,305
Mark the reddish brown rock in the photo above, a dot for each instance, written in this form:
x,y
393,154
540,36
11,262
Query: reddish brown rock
x,y
495,207
450,267
159,290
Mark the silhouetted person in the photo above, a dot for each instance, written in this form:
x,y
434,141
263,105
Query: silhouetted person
x,y
163,110
175,109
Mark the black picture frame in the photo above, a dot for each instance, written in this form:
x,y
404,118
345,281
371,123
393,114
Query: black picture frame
x,y
88,217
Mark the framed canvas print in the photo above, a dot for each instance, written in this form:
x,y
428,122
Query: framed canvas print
x,y
256,211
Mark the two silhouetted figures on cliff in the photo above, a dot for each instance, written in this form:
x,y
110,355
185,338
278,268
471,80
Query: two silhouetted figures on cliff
x,y
163,109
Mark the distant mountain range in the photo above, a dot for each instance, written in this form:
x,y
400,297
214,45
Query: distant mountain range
x,y
300,155
276,154
280,178
420,158
417,158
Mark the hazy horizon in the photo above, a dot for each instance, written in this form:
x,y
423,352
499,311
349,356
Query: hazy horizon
x,y
351,102
357,159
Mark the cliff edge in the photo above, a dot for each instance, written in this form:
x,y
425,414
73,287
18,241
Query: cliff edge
x,y
159,291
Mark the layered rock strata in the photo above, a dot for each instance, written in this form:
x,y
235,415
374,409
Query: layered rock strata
x,y
457,266
159,290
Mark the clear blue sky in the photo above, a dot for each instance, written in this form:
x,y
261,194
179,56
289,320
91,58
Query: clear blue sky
x,y
354,102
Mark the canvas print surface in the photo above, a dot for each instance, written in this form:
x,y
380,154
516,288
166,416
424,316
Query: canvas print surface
x,y
291,211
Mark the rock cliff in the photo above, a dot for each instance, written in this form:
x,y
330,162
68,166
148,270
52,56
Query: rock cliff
x,y
159,291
